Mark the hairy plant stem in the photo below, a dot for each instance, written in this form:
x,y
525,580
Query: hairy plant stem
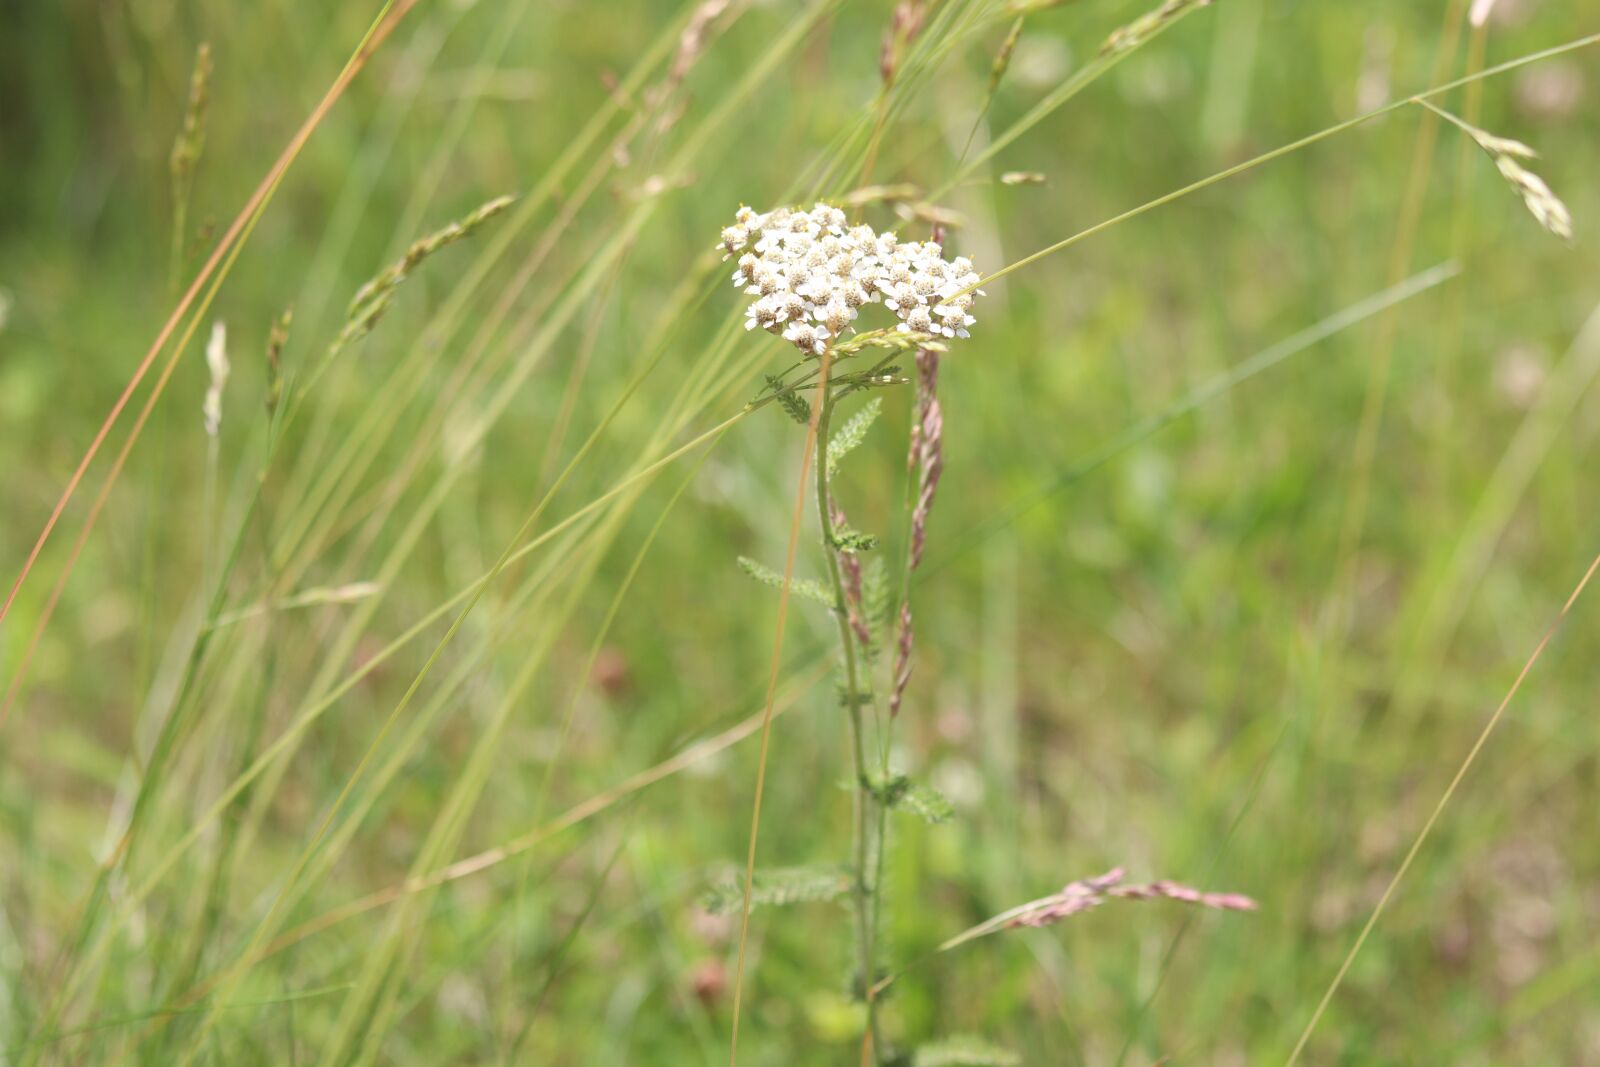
x,y
875,985
865,879
869,983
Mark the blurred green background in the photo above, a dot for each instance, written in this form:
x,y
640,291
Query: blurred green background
x,y
1175,661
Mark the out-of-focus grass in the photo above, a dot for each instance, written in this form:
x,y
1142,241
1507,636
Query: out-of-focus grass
x,y
1137,671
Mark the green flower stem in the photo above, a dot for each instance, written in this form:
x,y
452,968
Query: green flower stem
x,y
865,880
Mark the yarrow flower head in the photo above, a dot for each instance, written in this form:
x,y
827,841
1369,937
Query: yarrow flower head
x,y
810,273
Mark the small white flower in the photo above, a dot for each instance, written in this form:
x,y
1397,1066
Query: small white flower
x,y
794,307
765,313
747,266
817,289
806,337
810,273
953,322
836,315
902,297
830,218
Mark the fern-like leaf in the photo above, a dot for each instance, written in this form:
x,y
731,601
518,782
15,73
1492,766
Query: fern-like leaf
x,y
806,587
778,886
793,404
875,600
852,433
925,802
963,1052
861,698
901,793
847,540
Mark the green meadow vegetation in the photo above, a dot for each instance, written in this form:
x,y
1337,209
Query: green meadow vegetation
x,y
433,633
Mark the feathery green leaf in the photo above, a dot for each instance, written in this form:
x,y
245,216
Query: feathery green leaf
x,y
963,1052
901,793
778,886
847,540
793,404
852,433
806,587
875,599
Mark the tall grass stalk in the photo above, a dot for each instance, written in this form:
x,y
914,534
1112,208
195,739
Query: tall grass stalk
x,y
1461,225
1421,838
1364,448
383,25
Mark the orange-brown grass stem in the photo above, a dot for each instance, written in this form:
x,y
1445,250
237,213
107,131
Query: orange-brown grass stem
x,y
379,32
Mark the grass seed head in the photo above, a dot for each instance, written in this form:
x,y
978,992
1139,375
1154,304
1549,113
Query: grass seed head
x,y
1546,208
1147,26
1029,7
191,138
1002,58
692,41
904,25
1086,893
372,299
276,339
217,364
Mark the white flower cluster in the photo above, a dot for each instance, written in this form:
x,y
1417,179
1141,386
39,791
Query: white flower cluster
x,y
811,272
